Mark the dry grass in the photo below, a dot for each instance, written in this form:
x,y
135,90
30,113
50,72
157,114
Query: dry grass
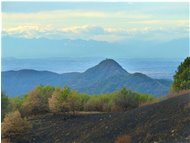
x,y
182,92
123,139
170,95
87,112
150,102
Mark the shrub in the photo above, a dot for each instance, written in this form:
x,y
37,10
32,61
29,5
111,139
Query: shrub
x,y
43,99
45,91
34,104
99,103
37,100
73,102
17,102
54,103
125,99
14,125
10,104
4,105
182,76
91,105
58,100
123,139
82,99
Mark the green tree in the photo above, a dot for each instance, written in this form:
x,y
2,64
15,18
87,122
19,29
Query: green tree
x,y
126,99
17,102
73,102
58,100
4,105
182,76
37,100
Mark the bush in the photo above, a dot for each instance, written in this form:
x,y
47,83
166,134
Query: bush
x,y
17,102
73,102
82,99
123,139
125,99
99,103
63,100
37,100
58,100
4,105
34,104
45,91
43,99
10,104
54,103
14,125
92,104
182,76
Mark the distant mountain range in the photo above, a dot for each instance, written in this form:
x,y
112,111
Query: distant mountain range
x,y
106,77
43,47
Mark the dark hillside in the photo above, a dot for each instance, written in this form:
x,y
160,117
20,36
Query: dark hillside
x,y
164,122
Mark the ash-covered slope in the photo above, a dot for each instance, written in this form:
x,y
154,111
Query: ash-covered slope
x,y
165,122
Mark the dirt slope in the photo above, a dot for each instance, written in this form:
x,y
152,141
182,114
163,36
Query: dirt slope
x,y
167,122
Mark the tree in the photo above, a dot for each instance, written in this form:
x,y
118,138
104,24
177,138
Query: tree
x,y
125,99
34,104
37,100
4,105
182,76
16,102
14,125
55,103
73,102
58,100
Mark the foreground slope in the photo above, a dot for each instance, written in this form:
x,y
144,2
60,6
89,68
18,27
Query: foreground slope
x,y
106,77
166,121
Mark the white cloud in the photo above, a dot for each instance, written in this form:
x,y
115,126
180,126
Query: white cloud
x,y
74,13
95,32
97,25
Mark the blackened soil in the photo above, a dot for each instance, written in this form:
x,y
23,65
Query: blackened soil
x,y
167,122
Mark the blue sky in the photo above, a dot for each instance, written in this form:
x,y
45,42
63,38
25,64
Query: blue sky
x,y
109,22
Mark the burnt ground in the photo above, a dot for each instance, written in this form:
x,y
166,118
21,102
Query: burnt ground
x,y
167,121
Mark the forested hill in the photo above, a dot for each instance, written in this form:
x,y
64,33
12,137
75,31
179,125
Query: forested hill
x,y
106,77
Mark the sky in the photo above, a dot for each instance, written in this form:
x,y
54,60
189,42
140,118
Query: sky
x,y
119,24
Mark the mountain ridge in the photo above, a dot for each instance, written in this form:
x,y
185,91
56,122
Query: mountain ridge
x,y
105,77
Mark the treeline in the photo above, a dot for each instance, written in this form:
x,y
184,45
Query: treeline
x,y
45,99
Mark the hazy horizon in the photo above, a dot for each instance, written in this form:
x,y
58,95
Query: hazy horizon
x,y
158,68
132,30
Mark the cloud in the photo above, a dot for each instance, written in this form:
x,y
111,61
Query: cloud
x,y
166,23
56,14
93,32
87,29
96,25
